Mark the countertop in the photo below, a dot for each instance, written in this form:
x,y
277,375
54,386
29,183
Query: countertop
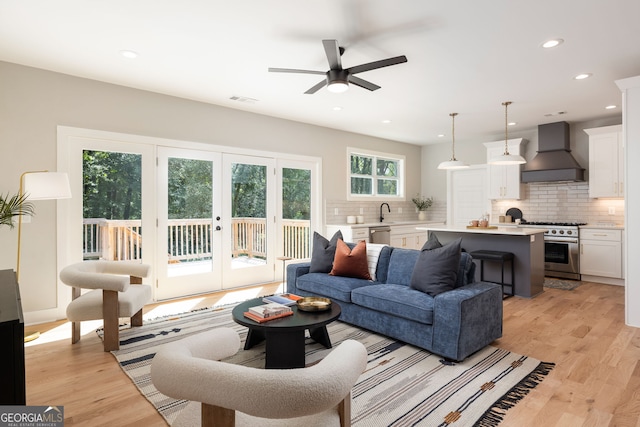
x,y
509,231
380,224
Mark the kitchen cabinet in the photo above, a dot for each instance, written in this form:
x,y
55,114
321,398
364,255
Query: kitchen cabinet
x,y
504,180
601,252
407,237
606,162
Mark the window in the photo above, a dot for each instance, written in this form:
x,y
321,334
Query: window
x,y
375,175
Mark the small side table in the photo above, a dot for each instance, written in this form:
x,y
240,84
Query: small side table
x,y
284,260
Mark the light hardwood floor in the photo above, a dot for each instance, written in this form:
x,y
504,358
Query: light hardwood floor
x,y
596,381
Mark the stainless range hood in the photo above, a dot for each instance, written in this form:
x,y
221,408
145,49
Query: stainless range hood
x,y
554,161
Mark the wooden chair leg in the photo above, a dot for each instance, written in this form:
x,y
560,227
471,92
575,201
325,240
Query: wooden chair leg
x,y
111,320
216,416
344,410
75,326
75,332
136,319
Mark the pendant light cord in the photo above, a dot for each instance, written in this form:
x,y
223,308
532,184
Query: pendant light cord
x,y
506,128
453,136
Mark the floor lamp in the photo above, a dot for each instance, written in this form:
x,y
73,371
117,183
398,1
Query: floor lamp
x,y
41,185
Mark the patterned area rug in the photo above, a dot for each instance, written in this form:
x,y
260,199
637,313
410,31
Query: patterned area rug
x,y
402,386
566,285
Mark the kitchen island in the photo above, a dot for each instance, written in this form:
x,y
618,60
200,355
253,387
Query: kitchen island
x,y
526,244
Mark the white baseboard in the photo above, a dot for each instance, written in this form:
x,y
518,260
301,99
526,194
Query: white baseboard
x,y
605,280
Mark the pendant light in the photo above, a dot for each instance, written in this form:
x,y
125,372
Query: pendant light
x,y
453,163
506,158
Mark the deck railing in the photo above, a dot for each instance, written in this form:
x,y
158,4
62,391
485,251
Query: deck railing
x,y
190,239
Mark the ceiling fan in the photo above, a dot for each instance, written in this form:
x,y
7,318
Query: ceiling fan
x,y
338,78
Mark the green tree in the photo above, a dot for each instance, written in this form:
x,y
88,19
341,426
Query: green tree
x,y
190,188
296,193
112,185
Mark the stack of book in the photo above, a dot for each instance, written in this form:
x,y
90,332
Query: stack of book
x,y
265,312
284,299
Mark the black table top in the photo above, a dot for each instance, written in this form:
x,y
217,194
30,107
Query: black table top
x,y
299,320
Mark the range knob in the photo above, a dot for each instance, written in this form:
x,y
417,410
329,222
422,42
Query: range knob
x,y
561,231
569,232
553,231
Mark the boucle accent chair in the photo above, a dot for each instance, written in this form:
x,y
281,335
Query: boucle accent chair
x,y
236,395
111,296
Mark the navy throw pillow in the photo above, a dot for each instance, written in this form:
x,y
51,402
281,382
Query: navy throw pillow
x,y
323,252
437,269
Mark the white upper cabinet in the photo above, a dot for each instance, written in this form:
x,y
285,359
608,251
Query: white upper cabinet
x,y
606,162
504,180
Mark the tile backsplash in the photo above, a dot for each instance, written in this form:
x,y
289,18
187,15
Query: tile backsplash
x,y
554,201
400,211
563,201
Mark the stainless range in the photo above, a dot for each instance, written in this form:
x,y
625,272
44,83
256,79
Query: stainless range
x,y
561,248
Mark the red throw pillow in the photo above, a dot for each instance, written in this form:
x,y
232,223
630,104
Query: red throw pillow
x,y
351,262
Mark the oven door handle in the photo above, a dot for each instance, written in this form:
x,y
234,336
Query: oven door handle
x,y
561,241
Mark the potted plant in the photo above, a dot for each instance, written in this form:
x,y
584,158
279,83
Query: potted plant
x,y
13,206
422,204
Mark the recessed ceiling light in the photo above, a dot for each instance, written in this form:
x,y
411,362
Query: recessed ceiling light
x,y
583,76
611,107
386,121
337,108
441,135
512,123
552,43
129,54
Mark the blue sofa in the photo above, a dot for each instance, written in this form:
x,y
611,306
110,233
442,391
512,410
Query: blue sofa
x,y
453,324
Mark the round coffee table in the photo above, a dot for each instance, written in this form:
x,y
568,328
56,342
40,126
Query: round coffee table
x,y
284,337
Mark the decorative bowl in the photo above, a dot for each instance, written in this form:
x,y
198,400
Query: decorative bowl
x,y
314,304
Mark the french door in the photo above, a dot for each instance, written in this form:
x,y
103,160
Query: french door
x,y
204,219
249,237
189,222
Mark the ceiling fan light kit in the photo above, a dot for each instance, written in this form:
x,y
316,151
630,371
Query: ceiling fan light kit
x,y
506,158
453,163
337,78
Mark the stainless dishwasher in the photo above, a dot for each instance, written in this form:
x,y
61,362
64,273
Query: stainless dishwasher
x,y
381,234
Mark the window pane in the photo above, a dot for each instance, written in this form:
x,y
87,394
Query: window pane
x,y
249,214
387,167
112,205
361,185
388,186
296,212
361,165
189,211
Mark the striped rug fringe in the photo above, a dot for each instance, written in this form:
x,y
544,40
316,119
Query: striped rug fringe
x,y
496,413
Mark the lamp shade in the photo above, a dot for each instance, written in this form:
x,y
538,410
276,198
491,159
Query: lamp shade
x,y
507,159
453,164
46,186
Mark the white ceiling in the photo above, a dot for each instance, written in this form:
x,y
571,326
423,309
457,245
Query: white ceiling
x,y
465,56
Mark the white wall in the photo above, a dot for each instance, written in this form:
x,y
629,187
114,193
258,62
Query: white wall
x,y
34,102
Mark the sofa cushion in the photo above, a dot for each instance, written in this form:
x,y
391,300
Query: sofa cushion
x,y
466,270
437,270
351,262
373,255
401,265
323,252
397,300
333,287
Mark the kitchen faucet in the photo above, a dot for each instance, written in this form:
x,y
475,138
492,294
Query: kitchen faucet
x,y
388,208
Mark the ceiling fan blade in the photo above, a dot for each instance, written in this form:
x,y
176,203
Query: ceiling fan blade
x,y
377,64
316,88
332,50
363,83
292,70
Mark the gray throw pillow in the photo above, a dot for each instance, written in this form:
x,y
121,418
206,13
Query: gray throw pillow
x,y
437,269
323,252
432,243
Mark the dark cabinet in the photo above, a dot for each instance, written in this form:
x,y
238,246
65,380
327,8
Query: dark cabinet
x,y
12,386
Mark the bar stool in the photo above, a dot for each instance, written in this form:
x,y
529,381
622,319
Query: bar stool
x,y
484,255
